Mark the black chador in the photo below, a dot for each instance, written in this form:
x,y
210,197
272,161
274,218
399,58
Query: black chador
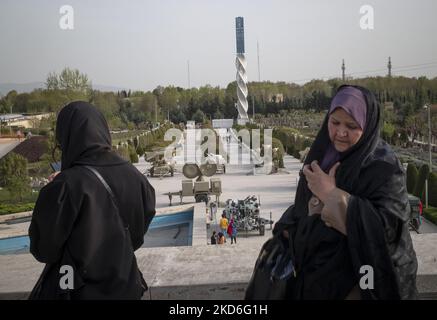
x,y
330,264
76,221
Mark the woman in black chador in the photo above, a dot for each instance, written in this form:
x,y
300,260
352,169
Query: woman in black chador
x,y
351,210
81,223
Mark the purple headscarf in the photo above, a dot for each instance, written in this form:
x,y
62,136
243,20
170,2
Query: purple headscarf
x,y
351,100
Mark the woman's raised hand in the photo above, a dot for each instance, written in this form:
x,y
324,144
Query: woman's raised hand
x,y
320,183
53,175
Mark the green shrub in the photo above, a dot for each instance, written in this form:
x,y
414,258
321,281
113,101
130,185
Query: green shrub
x,y
279,154
412,175
291,140
142,142
13,175
123,152
430,214
296,154
420,184
5,130
432,189
133,157
307,143
140,151
9,208
290,149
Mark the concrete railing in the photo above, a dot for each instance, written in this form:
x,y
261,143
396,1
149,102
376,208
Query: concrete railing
x,y
200,271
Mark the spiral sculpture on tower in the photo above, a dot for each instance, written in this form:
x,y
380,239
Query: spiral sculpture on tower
x,y
241,65
242,104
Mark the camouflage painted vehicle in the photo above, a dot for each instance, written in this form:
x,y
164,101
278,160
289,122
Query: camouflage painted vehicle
x,y
160,167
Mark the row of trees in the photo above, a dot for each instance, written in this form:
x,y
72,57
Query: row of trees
x,y
134,109
137,146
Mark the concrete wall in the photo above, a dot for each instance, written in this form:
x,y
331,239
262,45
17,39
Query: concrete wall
x,y
199,272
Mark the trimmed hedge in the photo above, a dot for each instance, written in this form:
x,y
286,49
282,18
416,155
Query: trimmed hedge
x,y
279,156
430,214
420,184
133,156
123,152
432,189
15,208
412,175
291,140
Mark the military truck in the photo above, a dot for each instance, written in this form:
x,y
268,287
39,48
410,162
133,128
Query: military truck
x,y
160,167
201,189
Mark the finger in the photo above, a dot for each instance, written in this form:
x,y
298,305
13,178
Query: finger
x,y
307,171
310,180
333,170
315,166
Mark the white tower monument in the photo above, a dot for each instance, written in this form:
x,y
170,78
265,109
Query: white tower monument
x,y
241,64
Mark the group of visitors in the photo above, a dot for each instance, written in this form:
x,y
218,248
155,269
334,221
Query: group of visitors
x,y
227,227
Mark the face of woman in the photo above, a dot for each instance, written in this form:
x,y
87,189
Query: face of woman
x,y
344,131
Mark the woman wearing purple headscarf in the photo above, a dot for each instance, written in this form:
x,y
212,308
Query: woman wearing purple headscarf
x,y
346,123
348,228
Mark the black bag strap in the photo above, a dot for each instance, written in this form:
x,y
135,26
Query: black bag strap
x,y
114,199
108,188
103,181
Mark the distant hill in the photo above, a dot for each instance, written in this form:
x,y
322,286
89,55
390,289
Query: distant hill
x,y
29,87
20,87
108,88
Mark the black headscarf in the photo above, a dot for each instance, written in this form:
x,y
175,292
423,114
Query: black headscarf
x,y
83,134
372,174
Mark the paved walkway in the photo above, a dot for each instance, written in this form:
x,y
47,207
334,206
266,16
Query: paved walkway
x,y
276,192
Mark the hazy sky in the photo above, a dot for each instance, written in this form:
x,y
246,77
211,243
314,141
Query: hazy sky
x,y
142,44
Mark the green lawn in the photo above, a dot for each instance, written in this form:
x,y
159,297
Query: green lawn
x,y
9,205
430,214
15,208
